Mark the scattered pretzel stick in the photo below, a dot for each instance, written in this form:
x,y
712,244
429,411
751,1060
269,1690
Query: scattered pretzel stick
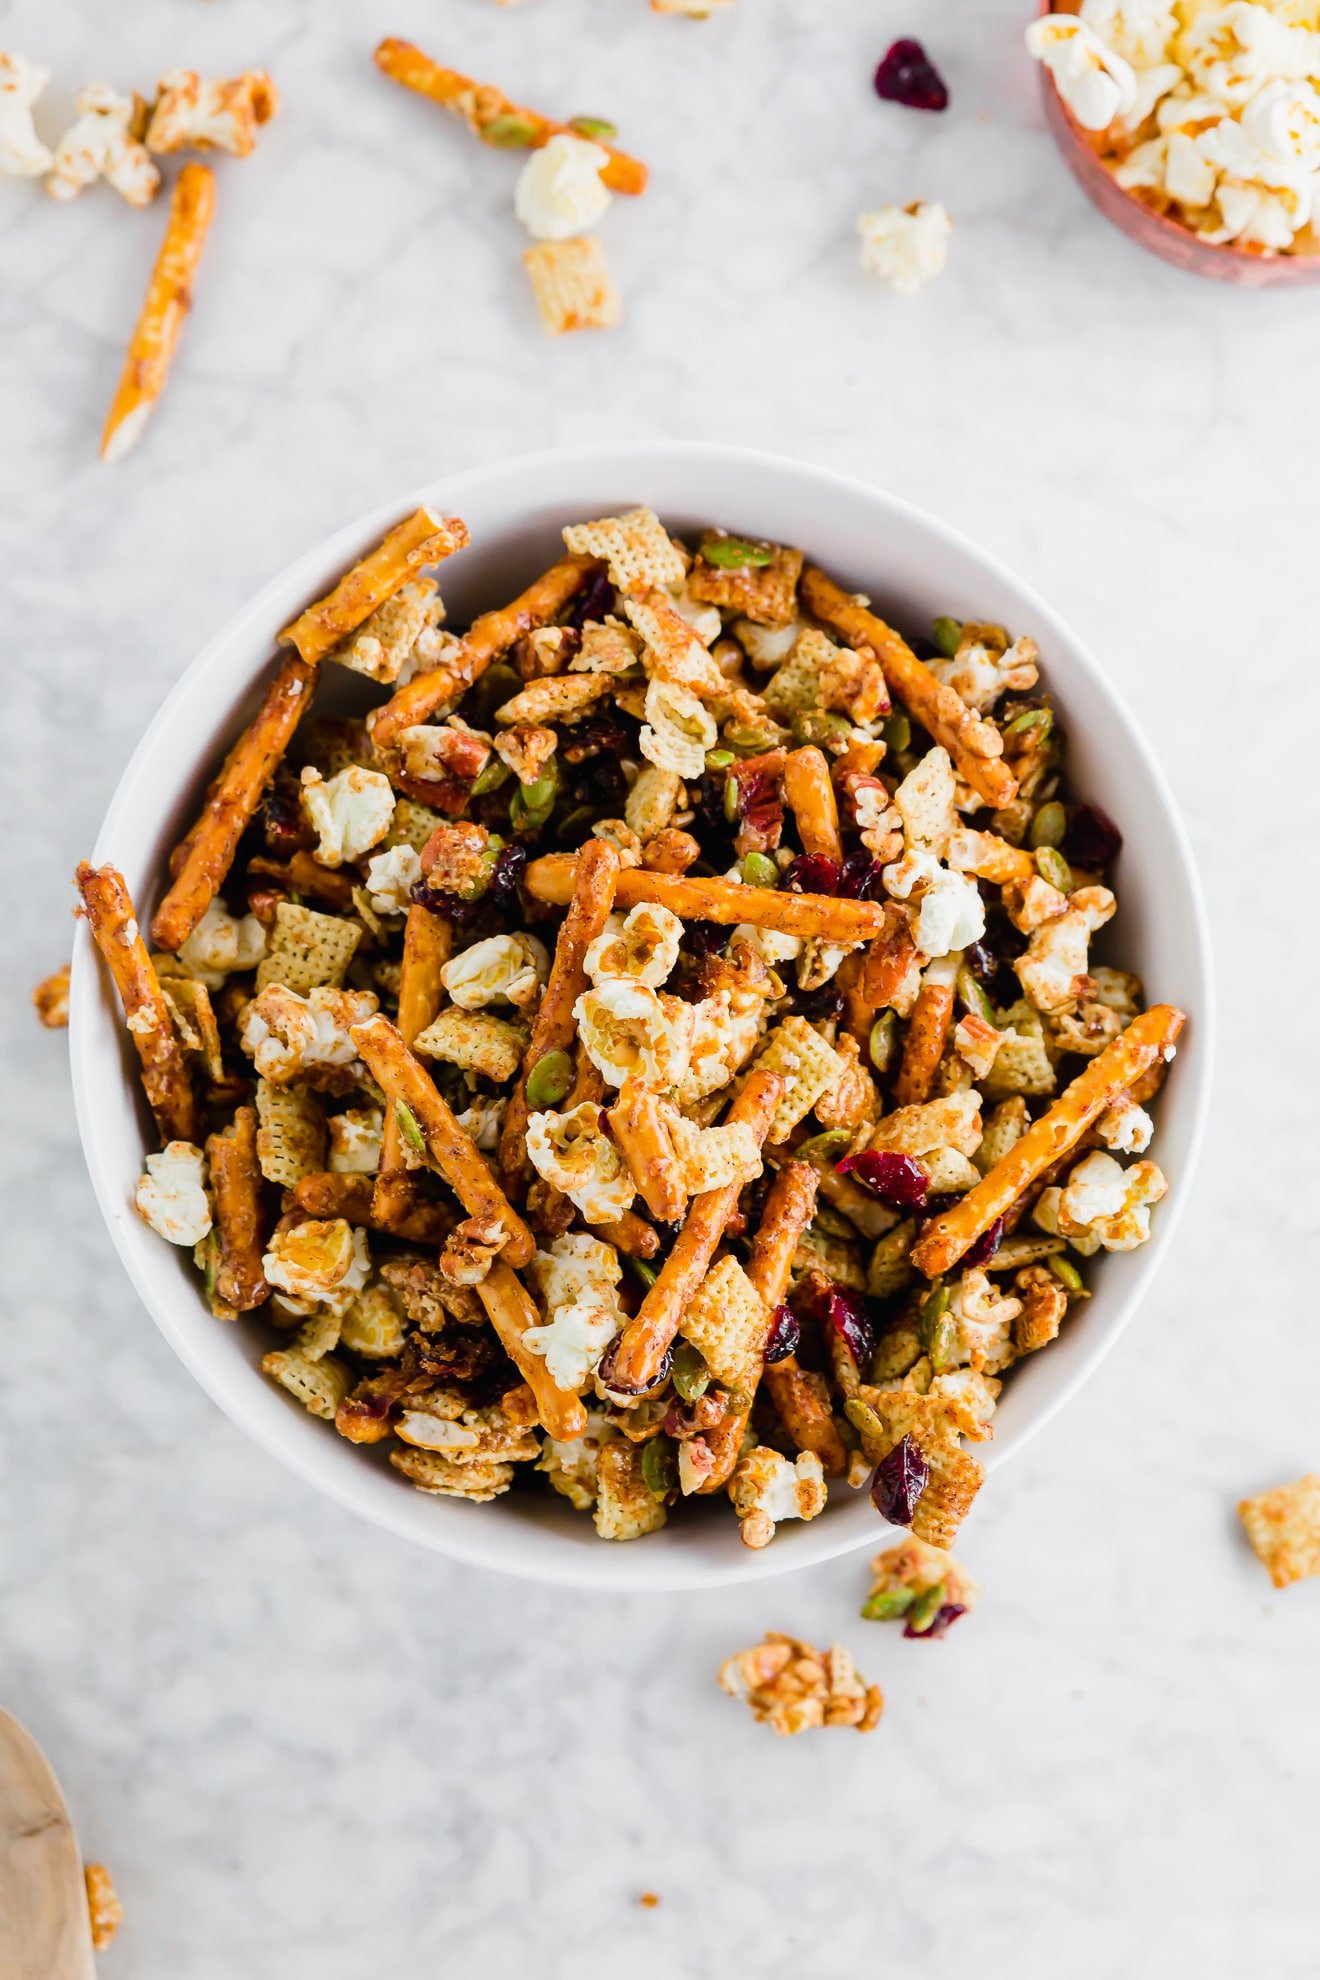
x,y
641,1132
406,1083
555,1029
165,1077
888,962
206,854
240,1281
1147,1039
639,1353
427,941
511,1312
631,1235
326,1194
810,795
169,298
490,115
727,901
304,875
485,640
421,539
923,1047
974,745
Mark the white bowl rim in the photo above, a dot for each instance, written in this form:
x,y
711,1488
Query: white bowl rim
x,y
626,1569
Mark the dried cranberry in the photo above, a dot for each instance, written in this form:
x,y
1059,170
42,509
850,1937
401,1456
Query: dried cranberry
x,y
785,1334
1092,838
847,1314
283,821
590,739
448,906
760,805
609,1380
707,801
908,76
859,877
812,873
900,1479
820,1005
900,1179
595,599
986,1245
948,1613
507,875
706,938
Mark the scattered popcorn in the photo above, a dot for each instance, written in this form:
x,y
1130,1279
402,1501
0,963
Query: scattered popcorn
x,y
573,1152
509,969
326,1261
391,877
172,1194
1126,1128
1283,1527
350,812
22,154
573,1342
950,911
629,1030
906,246
791,1687
1102,1204
355,1140
103,145
767,1488
220,945
641,945
560,192
194,114
291,1037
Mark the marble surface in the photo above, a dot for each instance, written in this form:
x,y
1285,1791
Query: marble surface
x,y
306,1749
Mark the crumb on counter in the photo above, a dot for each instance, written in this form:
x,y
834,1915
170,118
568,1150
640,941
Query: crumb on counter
x,y
105,1912
1283,1526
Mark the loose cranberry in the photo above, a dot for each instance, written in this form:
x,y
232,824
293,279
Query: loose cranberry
x,y
812,873
900,1479
447,906
594,601
706,938
908,76
935,1206
846,1312
785,1334
1092,838
820,1005
859,877
590,739
610,1381
986,1245
900,1179
507,876
944,1616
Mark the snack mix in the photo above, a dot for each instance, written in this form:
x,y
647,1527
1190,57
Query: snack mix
x,y
793,1688
657,1052
1207,113
1283,1527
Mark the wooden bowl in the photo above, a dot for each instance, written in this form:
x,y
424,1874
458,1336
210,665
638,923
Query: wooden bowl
x,y
1246,268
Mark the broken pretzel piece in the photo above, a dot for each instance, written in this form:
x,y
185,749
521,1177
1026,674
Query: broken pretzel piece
x,y
169,298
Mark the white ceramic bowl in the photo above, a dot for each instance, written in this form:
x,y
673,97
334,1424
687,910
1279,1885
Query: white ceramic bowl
x,y
914,568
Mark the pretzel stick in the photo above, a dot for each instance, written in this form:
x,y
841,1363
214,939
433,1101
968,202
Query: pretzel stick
x,y
328,1194
165,1076
511,1312
639,1127
639,1352
240,1280
427,941
990,858
888,962
923,1047
810,795
1147,1039
490,115
203,859
485,640
420,539
555,1027
727,901
405,1082
975,746
169,298
631,1235
858,1013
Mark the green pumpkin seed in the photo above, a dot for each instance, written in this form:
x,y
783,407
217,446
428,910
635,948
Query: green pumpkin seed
x,y
1052,866
926,1607
888,1603
823,1149
748,741
1048,826
947,635
973,996
933,1309
883,1041
691,1375
1063,1268
571,827
593,127
549,1080
1040,719
759,870
646,1273
410,1128
659,1465
897,733
509,132
531,804
817,725
735,553
718,759
491,777
943,1345
731,799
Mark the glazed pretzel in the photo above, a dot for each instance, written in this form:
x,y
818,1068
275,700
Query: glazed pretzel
x,y
550,878
427,941
108,908
169,298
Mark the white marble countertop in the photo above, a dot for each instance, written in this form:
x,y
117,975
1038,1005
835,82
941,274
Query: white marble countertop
x,y
307,1750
